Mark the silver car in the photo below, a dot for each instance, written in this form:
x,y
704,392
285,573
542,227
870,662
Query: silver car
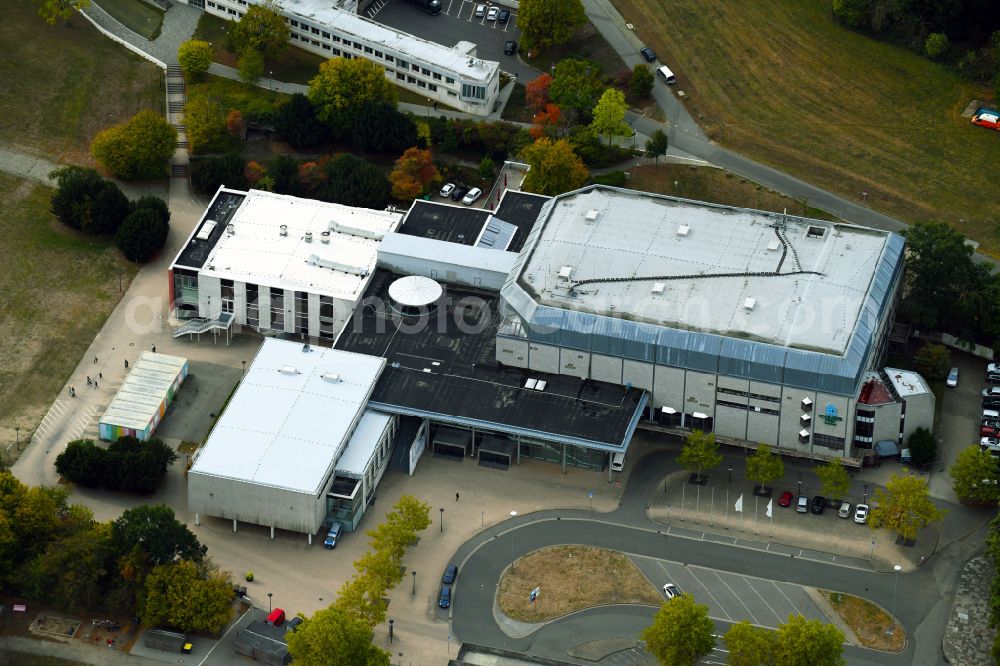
x,y
480,11
845,510
953,377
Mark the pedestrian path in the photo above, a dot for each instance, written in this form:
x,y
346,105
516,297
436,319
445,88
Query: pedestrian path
x,y
179,24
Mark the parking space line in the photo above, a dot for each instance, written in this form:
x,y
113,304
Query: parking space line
x,y
754,617
709,593
787,598
450,3
769,606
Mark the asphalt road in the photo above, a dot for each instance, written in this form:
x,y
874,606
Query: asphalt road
x,y
921,600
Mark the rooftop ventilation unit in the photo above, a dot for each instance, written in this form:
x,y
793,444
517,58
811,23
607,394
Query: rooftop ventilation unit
x,y
324,237
309,237
230,229
658,287
283,230
206,230
749,304
340,228
315,260
331,377
773,245
540,386
288,370
565,272
683,230
531,383
592,215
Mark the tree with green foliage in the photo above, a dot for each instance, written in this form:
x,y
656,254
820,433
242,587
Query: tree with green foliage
x,y
342,88
936,45
138,148
209,173
284,170
261,30
486,168
84,463
86,202
205,126
904,507
71,573
555,168
834,480
609,115
250,66
700,452
31,518
656,145
851,12
194,57
332,637
922,446
681,632
158,534
641,82
180,595
933,361
353,181
296,124
141,235
549,22
380,128
802,642
54,10
975,477
763,466
749,645
576,86
127,464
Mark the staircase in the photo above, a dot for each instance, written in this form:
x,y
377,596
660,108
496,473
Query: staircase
x,y
176,99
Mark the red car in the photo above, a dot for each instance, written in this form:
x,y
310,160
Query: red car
x,y
987,118
785,499
989,431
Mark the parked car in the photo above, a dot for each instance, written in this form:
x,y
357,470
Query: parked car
x,y
458,192
991,396
667,76
480,11
670,591
785,499
447,189
276,618
989,430
449,574
818,504
444,599
985,117
294,623
952,378
990,443
647,53
802,505
471,197
993,368
861,514
510,47
503,17
491,15
845,510
332,535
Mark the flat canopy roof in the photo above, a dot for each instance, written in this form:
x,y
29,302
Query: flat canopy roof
x,y
291,416
334,261
144,390
906,382
447,370
363,443
739,273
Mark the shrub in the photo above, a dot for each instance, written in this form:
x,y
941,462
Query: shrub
x,y
195,57
612,178
936,45
205,121
126,464
353,181
933,361
296,124
923,448
142,234
251,66
284,171
379,127
209,173
641,81
85,201
137,148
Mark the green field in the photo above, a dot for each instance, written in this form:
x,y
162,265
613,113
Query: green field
x,y
140,17
779,81
64,83
58,288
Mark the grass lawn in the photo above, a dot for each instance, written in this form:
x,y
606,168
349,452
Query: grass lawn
x,y
64,83
138,16
587,44
831,106
716,186
868,621
296,66
572,578
58,289
515,110
253,101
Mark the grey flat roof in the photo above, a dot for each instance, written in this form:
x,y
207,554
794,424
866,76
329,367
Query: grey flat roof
x,y
788,281
144,390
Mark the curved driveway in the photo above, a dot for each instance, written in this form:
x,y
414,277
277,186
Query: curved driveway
x,y
924,596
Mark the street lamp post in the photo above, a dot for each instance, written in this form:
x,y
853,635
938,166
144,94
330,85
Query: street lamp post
x,y
17,437
513,514
269,603
892,618
730,472
414,582
244,368
800,483
865,500
391,622
442,519
270,78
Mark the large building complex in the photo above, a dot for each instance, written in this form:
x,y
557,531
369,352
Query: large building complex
x,y
450,75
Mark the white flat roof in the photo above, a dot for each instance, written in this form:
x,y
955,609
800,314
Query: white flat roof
x,y
257,252
906,382
363,443
144,390
650,239
286,424
454,59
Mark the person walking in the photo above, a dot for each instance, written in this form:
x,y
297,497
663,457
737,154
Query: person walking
x,y
95,360
154,349
456,497
95,383
126,364
88,380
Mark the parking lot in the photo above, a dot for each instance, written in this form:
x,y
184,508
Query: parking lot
x,y
457,22
733,597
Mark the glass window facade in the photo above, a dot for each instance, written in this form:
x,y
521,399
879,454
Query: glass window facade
x,y
253,305
302,312
277,308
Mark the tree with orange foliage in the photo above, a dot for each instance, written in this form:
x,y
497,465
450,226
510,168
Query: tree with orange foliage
x,y
536,93
414,173
546,121
235,124
311,177
253,172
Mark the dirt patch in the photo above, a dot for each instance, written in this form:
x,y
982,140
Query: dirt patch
x,y
869,622
571,578
54,625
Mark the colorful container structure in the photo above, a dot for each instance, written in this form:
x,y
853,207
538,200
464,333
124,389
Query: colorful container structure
x,y
144,396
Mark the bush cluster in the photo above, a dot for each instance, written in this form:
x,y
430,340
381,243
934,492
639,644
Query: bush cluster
x,y
127,464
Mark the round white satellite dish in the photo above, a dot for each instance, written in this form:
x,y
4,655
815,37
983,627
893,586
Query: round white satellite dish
x,y
415,291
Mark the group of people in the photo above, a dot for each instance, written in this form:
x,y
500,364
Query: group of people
x,y
100,376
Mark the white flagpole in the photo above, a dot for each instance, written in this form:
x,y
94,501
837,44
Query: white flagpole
x,y
725,522
755,513
711,510
770,514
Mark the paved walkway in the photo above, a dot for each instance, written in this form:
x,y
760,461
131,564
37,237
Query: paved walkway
x,y
969,638
179,23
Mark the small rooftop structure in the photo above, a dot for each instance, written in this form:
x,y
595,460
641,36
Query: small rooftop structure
x,y
364,441
906,382
143,397
415,291
264,643
291,417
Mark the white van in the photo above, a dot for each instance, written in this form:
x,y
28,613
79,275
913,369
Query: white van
x,y
667,76
617,462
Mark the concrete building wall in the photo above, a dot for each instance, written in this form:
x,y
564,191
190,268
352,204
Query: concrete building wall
x,y
240,302
638,374
512,352
668,389
886,424
762,427
544,358
209,296
264,306
791,412
574,363
699,392
313,315
468,275
259,505
606,368
730,422
289,311
919,414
